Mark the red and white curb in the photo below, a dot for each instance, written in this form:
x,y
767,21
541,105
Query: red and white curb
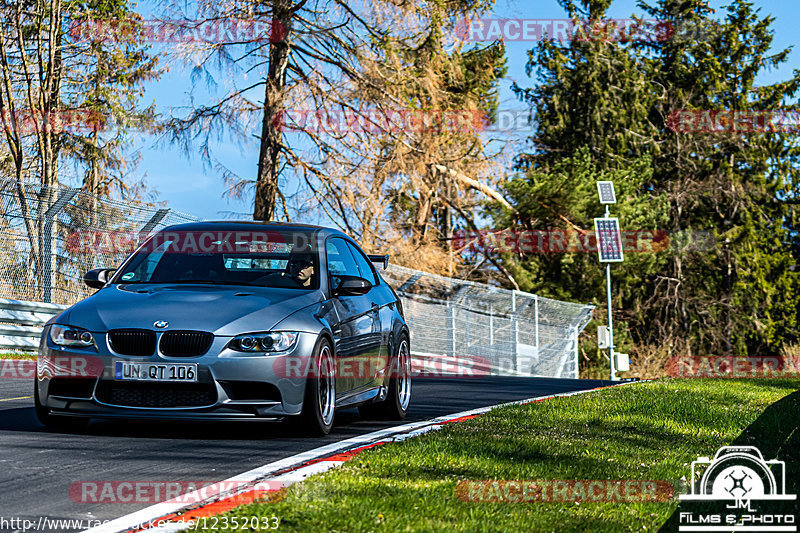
x,y
173,515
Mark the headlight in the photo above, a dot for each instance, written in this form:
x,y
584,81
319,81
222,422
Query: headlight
x,y
277,341
70,336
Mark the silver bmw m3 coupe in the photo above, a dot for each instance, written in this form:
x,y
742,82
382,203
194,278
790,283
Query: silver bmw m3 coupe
x,y
230,320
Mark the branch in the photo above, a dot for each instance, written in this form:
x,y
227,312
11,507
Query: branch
x,y
475,184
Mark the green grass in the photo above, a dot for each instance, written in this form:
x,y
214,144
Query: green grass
x,y
20,355
648,431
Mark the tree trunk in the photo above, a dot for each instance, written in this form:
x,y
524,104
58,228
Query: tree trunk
x,y
269,157
91,183
421,220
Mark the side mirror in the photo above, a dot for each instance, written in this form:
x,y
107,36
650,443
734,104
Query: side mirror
x,y
98,277
351,286
380,260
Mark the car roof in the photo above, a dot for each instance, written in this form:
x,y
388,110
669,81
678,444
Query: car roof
x,y
250,225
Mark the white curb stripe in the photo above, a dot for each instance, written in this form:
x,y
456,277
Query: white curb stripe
x,y
295,476
296,470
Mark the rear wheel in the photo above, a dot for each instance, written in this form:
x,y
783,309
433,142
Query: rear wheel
x,y
319,402
398,397
58,422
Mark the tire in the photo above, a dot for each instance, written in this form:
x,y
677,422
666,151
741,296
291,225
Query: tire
x,y
319,401
398,397
57,422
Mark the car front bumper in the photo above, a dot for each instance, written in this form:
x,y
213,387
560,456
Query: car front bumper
x,y
230,385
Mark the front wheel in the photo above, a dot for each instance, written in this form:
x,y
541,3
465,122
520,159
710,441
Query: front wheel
x,y
320,397
398,398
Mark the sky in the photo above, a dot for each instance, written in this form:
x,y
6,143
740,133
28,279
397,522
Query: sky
x,y
183,183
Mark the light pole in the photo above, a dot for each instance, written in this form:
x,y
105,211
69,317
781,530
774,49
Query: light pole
x,y
609,249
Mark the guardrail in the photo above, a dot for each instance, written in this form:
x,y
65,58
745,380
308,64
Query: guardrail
x,y
21,323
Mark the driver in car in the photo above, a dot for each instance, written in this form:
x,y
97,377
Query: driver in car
x,y
301,270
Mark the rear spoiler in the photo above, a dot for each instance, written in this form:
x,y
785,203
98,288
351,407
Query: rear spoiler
x,y
380,259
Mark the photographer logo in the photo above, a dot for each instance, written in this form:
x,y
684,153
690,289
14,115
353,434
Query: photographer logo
x,y
739,478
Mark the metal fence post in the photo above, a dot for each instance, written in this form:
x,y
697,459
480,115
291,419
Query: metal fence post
x,y
514,331
154,220
451,327
47,256
577,354
467,320
491,324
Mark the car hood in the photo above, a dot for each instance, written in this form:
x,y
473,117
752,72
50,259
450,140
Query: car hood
x,y
220,310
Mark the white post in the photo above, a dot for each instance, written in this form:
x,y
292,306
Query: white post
x,y
467,320
577,354
536,321
610,318
610,321
451,326
491,324
514,330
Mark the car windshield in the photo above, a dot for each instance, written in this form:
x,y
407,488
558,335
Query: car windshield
x,y
279,259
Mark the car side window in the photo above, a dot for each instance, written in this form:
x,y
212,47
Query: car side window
x,y
363,264
340,260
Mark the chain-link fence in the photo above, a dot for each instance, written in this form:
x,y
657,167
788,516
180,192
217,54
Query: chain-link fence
x,y
495,330
43,233
458,325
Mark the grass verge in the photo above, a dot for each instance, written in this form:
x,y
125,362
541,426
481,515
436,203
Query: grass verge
x,y
645,431
27,356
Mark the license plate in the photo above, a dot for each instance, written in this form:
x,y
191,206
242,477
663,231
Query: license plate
x,y
125,371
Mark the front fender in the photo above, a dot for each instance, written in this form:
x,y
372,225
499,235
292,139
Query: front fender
x,y
315,318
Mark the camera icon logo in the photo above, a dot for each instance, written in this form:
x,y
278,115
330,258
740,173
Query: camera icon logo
x,y
738,473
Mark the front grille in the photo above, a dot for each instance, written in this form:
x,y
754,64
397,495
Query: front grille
x,y
185,343
156,395
132,341
71,387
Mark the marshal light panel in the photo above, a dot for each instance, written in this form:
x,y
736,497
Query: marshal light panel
x,y
606,191
609,239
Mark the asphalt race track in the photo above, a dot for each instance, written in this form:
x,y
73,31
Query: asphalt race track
x,y
37,466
